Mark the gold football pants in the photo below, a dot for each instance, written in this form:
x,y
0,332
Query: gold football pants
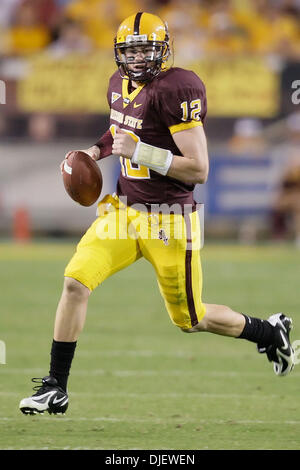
x,y
171,242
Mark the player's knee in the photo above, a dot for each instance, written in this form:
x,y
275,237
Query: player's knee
x,y
74,288
186,330
201,326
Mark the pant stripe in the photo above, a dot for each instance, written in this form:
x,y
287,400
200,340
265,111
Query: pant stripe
x,y
188,272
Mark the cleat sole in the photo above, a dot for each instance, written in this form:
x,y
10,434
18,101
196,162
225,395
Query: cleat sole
x,y
30,411
34,411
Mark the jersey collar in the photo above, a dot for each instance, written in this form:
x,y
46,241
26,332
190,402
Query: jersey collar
x,y
129,97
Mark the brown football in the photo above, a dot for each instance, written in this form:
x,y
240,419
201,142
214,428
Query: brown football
x,y
82,178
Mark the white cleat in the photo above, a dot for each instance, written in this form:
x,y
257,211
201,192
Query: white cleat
x,y
48,397
280,352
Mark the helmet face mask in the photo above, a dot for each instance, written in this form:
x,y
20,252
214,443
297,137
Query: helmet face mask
x,y
133,65
143,53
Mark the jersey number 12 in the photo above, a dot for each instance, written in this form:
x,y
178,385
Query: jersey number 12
x,y
191,112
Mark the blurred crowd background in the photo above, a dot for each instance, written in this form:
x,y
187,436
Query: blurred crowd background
x,y
201,27
56,57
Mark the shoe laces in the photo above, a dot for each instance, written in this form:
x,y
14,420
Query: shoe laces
x,y
39,389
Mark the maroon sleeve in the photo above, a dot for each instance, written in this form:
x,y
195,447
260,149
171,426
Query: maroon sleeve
x,y
105,144
182,98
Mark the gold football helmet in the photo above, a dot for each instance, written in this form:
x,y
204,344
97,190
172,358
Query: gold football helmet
x,y
144,33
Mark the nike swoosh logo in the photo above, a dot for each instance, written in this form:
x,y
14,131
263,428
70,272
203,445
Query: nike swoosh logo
x,y
135,105
43,398
284,341
59,400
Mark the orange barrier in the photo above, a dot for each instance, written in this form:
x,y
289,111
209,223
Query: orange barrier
x,y
21,225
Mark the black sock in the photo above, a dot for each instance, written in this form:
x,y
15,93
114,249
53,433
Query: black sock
x,y
258,331
62,354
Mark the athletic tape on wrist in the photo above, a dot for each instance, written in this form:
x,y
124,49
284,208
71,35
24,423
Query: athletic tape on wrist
x,y
155,158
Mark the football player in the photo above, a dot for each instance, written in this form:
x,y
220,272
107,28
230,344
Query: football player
x,y
156,129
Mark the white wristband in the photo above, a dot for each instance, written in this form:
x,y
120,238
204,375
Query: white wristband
x,y
155,158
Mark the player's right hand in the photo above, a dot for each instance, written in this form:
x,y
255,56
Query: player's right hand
x,y
93,152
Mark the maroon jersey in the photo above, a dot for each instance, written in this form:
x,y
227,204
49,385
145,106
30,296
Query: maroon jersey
x,y
172,101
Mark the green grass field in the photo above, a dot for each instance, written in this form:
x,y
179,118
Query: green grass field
x,y
138,382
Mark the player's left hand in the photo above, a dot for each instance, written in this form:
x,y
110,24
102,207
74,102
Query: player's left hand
x,y
123,145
